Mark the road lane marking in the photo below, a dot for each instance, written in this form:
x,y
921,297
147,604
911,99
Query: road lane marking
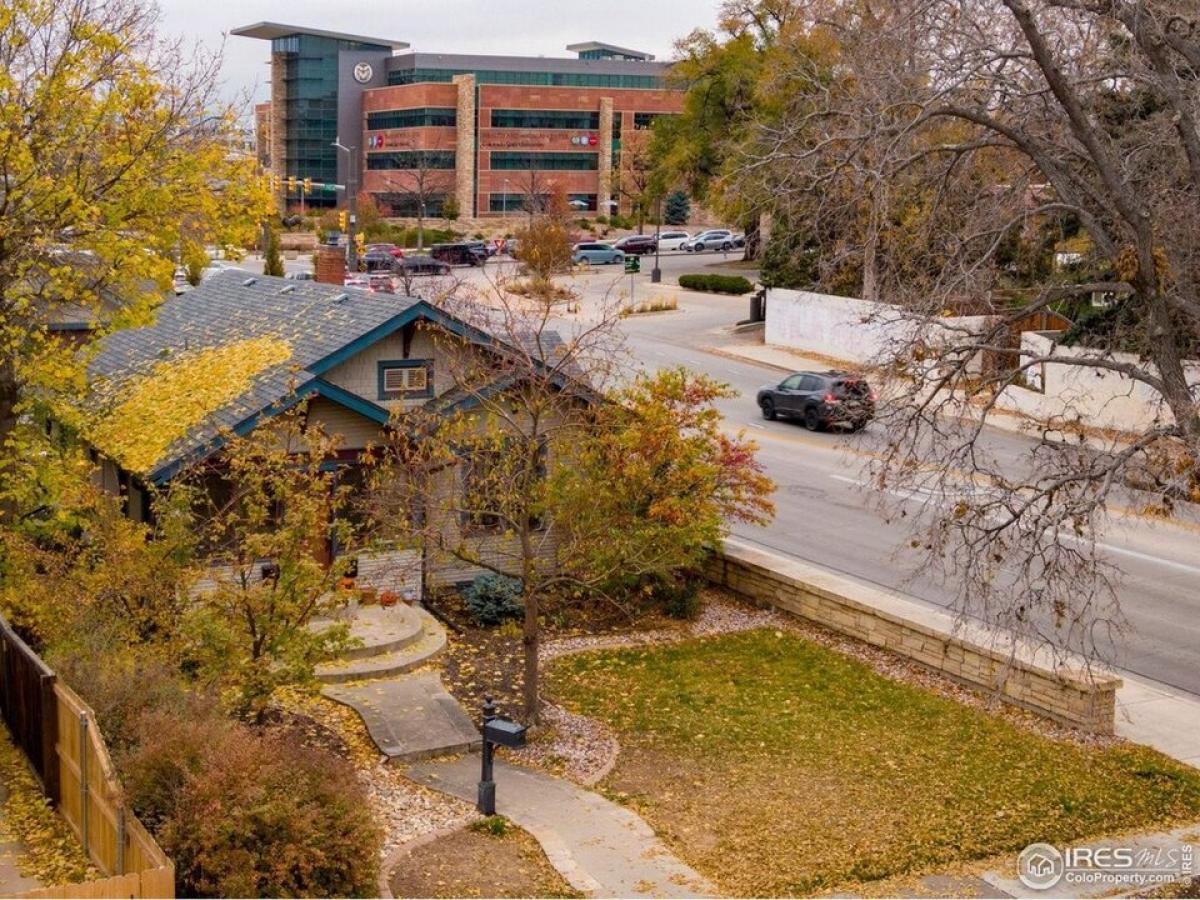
x,y
928,494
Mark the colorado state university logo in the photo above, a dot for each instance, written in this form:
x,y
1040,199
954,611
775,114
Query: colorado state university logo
x,y
363,72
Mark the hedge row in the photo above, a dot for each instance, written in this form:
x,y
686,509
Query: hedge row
x,y
717,284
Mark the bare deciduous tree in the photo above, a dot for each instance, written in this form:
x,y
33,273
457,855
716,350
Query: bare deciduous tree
x,y
931,137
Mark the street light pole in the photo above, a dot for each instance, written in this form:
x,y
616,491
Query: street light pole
x,y
656,273
351,205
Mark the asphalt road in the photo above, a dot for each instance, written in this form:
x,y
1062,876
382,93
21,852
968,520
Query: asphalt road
x,y
826,514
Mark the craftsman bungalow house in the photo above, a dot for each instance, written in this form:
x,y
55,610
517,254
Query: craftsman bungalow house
x,y
224,358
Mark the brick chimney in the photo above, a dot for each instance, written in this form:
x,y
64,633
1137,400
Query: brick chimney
x,y
331,265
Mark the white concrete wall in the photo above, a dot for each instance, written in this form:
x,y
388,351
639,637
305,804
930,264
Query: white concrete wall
x,y
857,331
1097,398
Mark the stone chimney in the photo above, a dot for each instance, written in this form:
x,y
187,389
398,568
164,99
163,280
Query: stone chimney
x,y
331,265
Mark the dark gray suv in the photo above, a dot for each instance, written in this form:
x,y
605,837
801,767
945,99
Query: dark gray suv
x,y
820,400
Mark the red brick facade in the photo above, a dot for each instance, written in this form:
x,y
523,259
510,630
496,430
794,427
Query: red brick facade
x,y
625,102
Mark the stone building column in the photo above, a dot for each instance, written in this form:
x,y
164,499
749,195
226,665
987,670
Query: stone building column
x,y
278,129
604,194
464,154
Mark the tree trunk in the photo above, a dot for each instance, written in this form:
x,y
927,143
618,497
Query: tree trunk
x,y
530,640
1169,362
753,237
420,227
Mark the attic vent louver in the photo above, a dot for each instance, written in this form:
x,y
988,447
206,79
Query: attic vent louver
x,y
249,281
289,289
340,298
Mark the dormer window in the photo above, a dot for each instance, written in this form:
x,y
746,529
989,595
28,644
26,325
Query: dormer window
x,y
405,379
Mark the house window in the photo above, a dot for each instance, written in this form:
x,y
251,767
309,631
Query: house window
x,y
405,379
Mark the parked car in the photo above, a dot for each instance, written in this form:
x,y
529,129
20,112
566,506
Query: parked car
x,y
421,265
672,240
487,249
820,400
395,251
512,246
299,276
597,254
460,254
636,243
713,239
739,240
376,261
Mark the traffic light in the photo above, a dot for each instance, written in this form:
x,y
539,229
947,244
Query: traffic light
x,y
274,183
360,239
292,183
308,185
343,220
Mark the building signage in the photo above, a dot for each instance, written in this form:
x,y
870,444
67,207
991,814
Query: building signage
x,y
512,142
584,140
363,72
375,142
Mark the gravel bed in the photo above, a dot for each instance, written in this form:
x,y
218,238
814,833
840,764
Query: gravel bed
x,y
408,810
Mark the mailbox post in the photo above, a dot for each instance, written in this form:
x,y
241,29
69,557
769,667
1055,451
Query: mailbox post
x,y
496,731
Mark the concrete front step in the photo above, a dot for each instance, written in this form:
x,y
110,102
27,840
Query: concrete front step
x,y
410,717
377,630
413,652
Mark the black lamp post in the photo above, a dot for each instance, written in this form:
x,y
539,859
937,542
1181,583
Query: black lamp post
x,y
496,731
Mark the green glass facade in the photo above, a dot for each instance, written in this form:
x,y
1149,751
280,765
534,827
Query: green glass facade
x,y
425,117
310,85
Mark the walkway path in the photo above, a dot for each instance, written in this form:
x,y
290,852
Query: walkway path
x,y
409,714
601,848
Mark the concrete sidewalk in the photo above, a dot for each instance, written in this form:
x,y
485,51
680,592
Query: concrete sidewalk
x,y
602,849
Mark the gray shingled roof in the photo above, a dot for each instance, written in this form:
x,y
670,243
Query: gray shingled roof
x,y
316,319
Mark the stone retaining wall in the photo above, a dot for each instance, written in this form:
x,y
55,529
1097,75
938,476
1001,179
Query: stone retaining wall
x,y
1086,700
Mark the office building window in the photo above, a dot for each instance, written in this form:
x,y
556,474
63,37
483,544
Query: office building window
x,y
411,159
567,79
545,118
546,162
425,117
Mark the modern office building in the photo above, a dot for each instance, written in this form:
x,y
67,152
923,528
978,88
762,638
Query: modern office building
x,y
495,132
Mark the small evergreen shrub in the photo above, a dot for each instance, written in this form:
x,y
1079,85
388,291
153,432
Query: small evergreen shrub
x,y
680,595
716,284
490,599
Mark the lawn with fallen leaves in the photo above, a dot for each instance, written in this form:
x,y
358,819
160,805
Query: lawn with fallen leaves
x,y
779,767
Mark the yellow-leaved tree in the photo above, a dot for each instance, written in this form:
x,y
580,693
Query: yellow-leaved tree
x,y
116,156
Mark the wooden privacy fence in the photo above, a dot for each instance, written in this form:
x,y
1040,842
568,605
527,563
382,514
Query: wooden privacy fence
x,y
58,733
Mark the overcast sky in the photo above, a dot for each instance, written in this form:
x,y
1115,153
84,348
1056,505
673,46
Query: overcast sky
x,y
512,27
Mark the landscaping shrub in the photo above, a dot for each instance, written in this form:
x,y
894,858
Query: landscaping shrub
x,y
248,814
490,599
450,208
680,595
496,826
717,284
